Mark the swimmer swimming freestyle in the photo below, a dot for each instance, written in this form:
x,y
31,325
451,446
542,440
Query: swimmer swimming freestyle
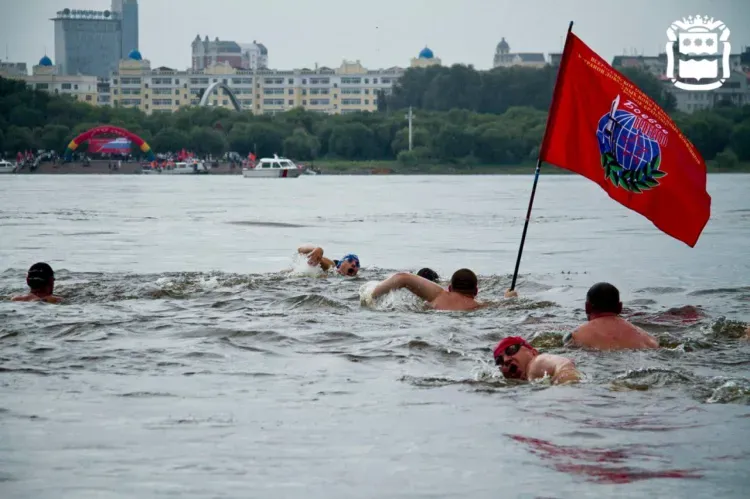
x,y
517,359
606,329
41,281
347,266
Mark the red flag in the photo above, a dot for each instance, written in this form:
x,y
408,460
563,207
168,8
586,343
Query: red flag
x,y
603,127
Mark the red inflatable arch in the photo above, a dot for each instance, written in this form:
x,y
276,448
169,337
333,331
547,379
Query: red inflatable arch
x,y
108,130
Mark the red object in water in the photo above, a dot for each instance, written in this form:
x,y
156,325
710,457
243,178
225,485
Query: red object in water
x,y
605,128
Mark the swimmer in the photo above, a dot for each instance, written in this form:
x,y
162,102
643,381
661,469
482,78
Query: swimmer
x,y
348,265
41,281
605,329
517,359
429,274
461,293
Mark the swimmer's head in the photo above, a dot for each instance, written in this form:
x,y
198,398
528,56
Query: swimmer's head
x,y
513,355
603,298
464,281
349,265
41,277
428,274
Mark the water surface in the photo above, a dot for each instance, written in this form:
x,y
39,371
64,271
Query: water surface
x,y
188,362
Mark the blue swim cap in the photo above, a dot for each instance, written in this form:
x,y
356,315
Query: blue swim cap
x,y
348,258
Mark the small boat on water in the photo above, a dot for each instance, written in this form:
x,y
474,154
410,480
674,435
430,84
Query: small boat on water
x,y
7,166
186,168
275,167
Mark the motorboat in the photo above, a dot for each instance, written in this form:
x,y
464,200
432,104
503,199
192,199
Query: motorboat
x,y
186,168
7,166
275,167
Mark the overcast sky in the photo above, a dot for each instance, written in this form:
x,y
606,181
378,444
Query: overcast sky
x,y
380,33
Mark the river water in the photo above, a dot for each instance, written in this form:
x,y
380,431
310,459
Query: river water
x,y
189,362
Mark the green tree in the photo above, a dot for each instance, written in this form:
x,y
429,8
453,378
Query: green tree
x,y
420,138
727,160
207,141
52,137
301,145
170,140
453,142
19,139
740,141
352,140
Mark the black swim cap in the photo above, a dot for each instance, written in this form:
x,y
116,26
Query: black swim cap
x,y
428,274
39,275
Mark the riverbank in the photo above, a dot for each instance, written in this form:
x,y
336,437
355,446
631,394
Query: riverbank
x,y
336,167
396,168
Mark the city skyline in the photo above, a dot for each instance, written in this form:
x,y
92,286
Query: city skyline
x,y
301,34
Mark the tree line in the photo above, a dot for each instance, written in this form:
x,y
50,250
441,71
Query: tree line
x,y
462,117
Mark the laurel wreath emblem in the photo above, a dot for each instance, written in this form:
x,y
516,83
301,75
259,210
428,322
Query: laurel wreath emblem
x,y
638,180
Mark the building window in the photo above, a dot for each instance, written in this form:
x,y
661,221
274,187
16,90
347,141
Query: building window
x,y
367,80
273,102
304,91
177,92
146,106
319,102
88,98
273,91
367,102
146,96
291,81
304,102
375,81
146,85
385,80
367,91
66,86
114,81
115,91
351,102
291,102
291,91
350,81
162,102
225,81
224,102
177,82
131,81
350,91
75,87
304,81
176,103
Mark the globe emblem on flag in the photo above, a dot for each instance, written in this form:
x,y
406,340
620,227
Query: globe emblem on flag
x,y
630,158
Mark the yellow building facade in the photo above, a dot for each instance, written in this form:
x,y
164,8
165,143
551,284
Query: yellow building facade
x,y
349,88
44,76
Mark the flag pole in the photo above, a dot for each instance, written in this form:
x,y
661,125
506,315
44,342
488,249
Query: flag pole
x,y
536,173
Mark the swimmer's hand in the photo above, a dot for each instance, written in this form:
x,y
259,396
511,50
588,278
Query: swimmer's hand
x,y
315,257
511,293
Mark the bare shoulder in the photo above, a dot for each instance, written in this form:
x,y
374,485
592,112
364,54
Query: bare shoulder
x,y
24,298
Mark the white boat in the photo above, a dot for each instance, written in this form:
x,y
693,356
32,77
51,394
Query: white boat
x,y
275,167
186,168
7,166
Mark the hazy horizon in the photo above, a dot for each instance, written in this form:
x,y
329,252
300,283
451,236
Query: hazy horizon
x,y
378,34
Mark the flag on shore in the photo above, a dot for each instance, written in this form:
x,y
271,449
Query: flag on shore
x,y
604,128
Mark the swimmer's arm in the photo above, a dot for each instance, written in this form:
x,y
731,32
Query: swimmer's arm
x,y
425,289
25,298
315,257
559,369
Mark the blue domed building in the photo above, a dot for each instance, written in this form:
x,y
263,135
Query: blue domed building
x,y
45,67
425,59
135,55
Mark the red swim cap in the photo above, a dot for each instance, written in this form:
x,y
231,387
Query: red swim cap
x,y
510,341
